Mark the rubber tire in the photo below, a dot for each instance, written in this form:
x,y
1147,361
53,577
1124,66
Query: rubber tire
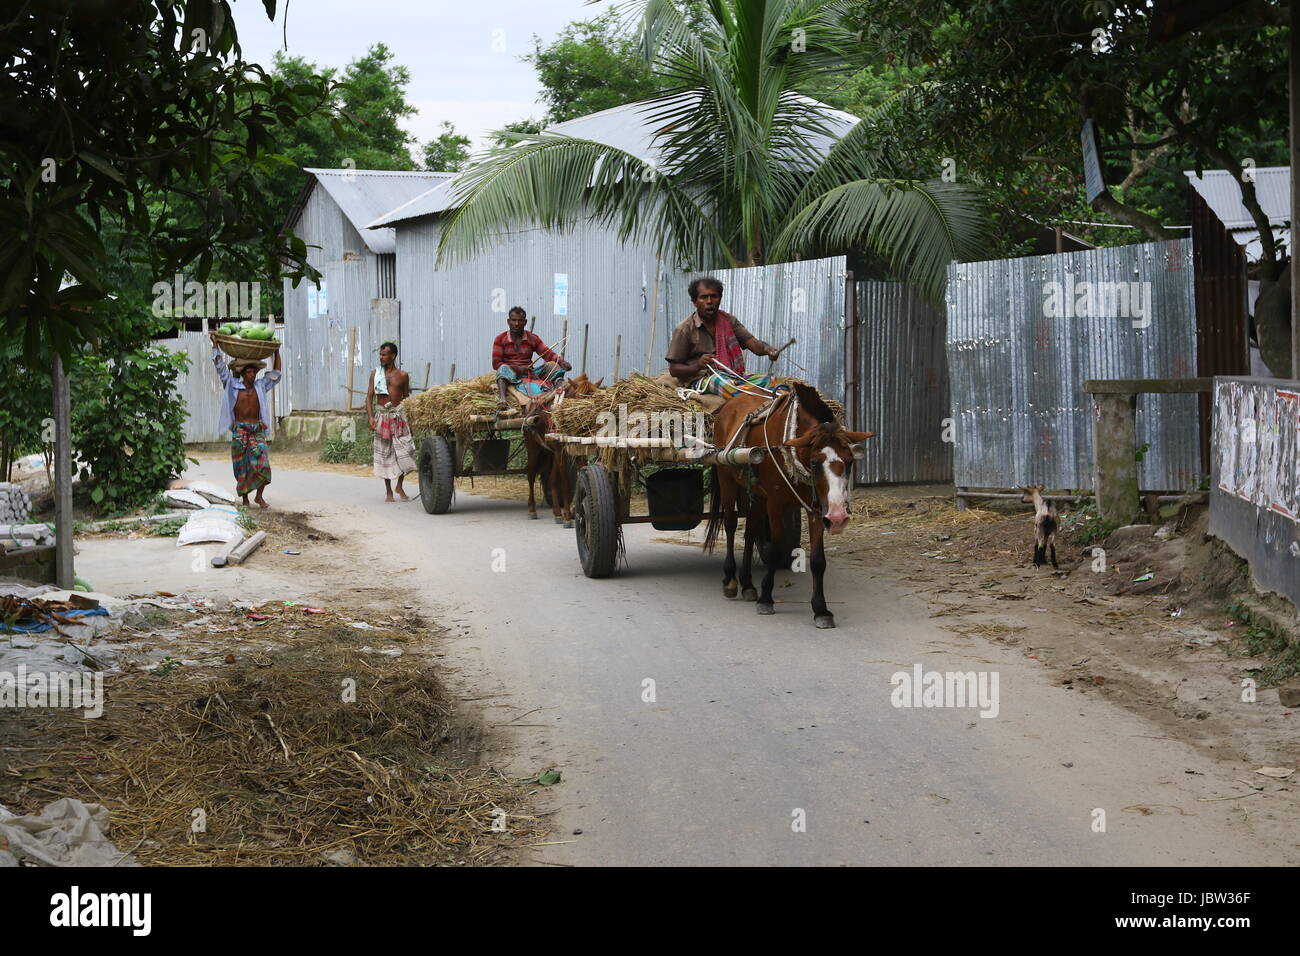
x,y
791,527
595,512
437,475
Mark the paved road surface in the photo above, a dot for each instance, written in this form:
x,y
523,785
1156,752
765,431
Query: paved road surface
x,y
756,718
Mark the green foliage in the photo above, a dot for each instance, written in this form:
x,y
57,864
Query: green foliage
x,y
1001,87
1084,526
591,66
127,425
1265,638
167,529
111,113
167,665
447,152
359,451
1140,453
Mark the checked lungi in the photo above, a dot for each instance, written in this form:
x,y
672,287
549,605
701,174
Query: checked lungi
x,y
394,449
249,455
719,383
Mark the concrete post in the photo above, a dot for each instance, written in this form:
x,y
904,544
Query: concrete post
x,y
1114,440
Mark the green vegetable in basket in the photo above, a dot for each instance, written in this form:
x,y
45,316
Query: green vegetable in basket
x,y
227,329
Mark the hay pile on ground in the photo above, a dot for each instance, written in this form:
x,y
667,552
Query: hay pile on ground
x,y
316,752
450,406
580,416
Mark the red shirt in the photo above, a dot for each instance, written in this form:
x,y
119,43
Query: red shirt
x,y
519,354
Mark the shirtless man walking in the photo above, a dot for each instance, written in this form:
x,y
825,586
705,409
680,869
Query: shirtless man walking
x,y
394,449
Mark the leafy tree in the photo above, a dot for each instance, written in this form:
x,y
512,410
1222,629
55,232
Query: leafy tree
x,y
110,112
1002,87
738,180
592,65
446,152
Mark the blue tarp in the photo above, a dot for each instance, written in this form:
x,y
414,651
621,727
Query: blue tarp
x,y
36,627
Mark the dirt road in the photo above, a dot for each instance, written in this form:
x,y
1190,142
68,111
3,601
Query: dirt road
x,y
765,741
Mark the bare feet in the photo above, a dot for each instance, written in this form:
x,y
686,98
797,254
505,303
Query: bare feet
x,y
261,503
390,499
403,495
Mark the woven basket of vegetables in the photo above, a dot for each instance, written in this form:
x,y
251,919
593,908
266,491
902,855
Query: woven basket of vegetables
x,y
248,340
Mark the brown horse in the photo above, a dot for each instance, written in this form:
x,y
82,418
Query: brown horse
x,y
544,454
811,470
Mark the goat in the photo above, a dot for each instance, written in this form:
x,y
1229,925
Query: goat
x,y
1045,524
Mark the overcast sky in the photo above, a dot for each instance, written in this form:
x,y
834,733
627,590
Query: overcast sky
x,y
462,56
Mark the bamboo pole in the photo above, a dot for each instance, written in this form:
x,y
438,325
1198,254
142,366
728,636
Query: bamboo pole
x,y
654,318
564,339
586,328
618,355
352,360
451,376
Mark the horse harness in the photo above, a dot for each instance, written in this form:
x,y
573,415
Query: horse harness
x,y
801,473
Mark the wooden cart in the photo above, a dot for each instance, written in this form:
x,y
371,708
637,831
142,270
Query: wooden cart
x,y
490,448
673,477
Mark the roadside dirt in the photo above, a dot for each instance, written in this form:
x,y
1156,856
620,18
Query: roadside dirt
x,y
323,730
1145,625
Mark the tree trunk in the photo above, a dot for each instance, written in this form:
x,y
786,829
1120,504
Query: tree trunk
x,y
1273,323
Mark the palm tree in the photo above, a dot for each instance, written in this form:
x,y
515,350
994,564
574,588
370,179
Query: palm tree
x,y
743,174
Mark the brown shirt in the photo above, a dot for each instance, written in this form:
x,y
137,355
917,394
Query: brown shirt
x,y
692,338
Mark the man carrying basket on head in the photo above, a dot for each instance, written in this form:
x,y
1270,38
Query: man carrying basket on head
x,y
246,415
707,348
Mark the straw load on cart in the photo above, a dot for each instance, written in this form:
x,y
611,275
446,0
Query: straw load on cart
x,y
453,407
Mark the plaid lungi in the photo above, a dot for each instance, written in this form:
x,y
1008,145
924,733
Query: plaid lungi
x,y
249,456
394,449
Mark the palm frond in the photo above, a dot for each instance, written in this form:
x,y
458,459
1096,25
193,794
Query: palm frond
x,y
918,227
558,181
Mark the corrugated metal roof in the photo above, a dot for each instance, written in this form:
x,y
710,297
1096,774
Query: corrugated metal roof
x,y
363,194
1222,194
631,128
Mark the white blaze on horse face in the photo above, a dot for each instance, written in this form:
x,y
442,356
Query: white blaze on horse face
x,y
837,491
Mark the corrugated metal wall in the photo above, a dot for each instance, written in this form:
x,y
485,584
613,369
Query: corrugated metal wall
x,y
451,315
1255,482
804,300
1016,370
200,389
902,384
320,345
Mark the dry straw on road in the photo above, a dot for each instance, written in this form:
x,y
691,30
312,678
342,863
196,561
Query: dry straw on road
x,y
283,768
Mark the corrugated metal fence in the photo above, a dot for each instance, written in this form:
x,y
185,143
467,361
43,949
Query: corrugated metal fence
x,y
585,281
803,300
902,384
200,388
1255,483
1023,336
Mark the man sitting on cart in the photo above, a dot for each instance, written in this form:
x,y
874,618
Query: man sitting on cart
x,y
707,348
512,357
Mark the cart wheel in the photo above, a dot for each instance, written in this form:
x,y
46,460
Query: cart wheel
x,y
437,475
781,556
595,516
